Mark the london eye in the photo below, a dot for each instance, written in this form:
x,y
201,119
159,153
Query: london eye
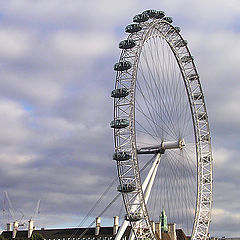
x,y
160,117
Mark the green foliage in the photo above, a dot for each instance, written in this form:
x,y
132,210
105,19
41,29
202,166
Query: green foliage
x,y
37,236
2,238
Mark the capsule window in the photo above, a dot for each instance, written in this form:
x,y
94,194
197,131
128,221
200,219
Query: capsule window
x,y
180,43
143,17
186,59
119,123
133,28
127,44
121,156
151,13
159,14
122,66
119,93
193,77
168,19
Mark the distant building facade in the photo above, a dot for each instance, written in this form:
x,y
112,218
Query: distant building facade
x,y
162,231
105,233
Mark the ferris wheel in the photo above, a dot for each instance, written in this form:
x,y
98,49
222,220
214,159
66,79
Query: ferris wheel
x,y
160,119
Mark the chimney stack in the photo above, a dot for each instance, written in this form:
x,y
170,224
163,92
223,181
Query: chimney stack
x,y
153,226
158,229
15,229
172,231
30,228
9,227
98,225
115,225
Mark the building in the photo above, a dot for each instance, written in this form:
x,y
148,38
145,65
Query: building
x,y
105,233
162,230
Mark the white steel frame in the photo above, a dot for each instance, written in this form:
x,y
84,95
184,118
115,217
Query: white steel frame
x,y
125,139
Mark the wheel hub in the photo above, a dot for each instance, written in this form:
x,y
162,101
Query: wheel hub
x,y
162,147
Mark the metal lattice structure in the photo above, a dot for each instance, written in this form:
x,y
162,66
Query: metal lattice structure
x,y
142,80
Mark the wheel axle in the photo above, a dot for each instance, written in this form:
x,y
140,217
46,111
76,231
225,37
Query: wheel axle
x,y
162,147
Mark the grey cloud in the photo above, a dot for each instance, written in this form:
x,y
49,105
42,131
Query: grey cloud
x,y
60,150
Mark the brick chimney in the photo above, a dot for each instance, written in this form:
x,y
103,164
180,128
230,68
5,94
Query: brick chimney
x,y
172,231
30,228
115,225
158,229
15,229
98,225
153,227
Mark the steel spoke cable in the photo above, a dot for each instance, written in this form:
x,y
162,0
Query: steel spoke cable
x,y
180,90
138,108
152,77
98,201
147,101
149,70
155,83
159,82
146,133
153,48
191,149
186,118
108,206
173,188
189,175
169,85
176,97
158,114
148,87
174,163
166,64
92,223
166,185
184,195
180,162
183,113
156,80
147,105
170,79
176,108
188,121
158,188
166,81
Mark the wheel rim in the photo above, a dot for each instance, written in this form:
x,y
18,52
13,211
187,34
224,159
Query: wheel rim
x,y
132,108
162,113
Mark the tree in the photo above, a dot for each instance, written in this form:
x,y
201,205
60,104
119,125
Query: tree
x,y
2,238
36,236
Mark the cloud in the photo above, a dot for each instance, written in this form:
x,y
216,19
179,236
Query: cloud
x,y
12,121
203,15
30,88
222,156
55,107
81,46
68,13
229,219
14,43
217,65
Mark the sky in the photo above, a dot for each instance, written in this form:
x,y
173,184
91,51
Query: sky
x,y
56,75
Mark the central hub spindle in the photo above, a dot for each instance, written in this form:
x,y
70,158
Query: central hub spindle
x,y
162,147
